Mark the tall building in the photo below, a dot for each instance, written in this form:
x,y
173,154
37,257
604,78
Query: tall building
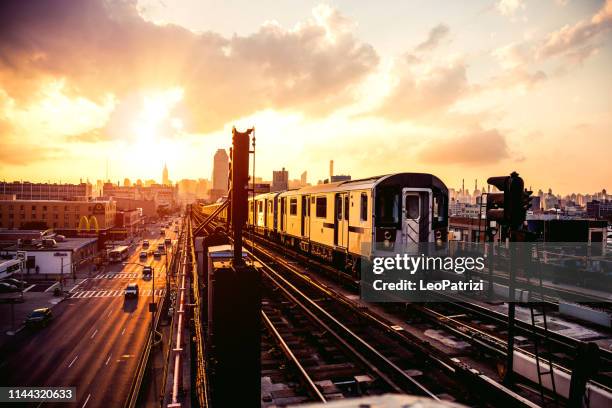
x,y
280,180
46,191
165,180
220,171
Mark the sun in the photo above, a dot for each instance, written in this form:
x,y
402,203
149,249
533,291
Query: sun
x,y
153,120
154,130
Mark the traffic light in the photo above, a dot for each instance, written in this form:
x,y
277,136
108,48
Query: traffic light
x,y
509,206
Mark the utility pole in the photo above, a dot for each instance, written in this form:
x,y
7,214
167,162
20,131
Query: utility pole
x,y
509,209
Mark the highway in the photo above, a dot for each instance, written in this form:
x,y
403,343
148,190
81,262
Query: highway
x,y
95,338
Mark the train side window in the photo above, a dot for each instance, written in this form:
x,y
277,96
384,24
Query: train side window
x,y
388,207
346,207
364,207
338,207
412,207
260,206
293,206
321,210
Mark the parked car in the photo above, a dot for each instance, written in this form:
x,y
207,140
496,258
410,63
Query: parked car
x,y
168,242
15,282
157,255
39,318
147,272
143,255
161,248
162,232
131,290
145,244
7,287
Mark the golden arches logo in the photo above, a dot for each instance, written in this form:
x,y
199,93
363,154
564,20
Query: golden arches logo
x,y
93,223
83,224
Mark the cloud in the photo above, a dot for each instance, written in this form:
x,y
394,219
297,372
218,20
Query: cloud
x,y
100,48
91,136
436,34
509,7
475,148
575,41
425,94
21,154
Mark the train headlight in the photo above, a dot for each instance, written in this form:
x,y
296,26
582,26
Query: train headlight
x,y
387,235
387,243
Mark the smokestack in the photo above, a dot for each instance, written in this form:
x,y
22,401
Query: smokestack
x,y
331,170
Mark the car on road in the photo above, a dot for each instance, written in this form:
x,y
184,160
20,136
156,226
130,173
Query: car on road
x,y
161,248
8,288
131,290
143,255
147,272
14,282
168,242
157,255
162,232
39,317
145,244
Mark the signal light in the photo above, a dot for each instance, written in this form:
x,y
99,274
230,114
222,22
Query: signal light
x,y
509,206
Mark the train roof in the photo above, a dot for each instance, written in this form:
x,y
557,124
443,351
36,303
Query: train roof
x,y
422,180
263,196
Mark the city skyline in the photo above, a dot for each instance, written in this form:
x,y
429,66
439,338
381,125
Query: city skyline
x,y
525,89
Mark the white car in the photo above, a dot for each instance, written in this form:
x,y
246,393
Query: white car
x,y
131,290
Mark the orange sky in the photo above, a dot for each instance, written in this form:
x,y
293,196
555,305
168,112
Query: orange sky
x,y
461,91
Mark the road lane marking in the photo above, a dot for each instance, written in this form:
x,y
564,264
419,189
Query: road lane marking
x,y
86,401
28,288
75,358
109,312
50,288
123,331
94,334
108,359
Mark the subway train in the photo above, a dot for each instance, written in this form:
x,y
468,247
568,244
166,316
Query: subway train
x,y
339,222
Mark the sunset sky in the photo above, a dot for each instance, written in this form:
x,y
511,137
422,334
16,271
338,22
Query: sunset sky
x,y
459,89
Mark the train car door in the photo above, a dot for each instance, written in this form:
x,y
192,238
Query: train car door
x,y
341,207
416,220
283,201
265,213
305,216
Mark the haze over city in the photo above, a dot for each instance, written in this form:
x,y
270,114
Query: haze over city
x,y
458,90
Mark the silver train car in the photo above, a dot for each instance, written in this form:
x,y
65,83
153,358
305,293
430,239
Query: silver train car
x,y
342,222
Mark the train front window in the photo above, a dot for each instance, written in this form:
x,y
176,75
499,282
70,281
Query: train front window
x,y
440,210
388,207
412,207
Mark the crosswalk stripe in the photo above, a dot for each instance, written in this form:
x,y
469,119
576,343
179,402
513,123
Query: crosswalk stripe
x,y
104,293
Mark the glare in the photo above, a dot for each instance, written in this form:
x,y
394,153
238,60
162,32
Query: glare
x,y
156,109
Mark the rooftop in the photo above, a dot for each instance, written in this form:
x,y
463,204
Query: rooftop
x,y
70,244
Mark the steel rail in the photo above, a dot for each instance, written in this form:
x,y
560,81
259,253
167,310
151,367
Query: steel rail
x,y
306,379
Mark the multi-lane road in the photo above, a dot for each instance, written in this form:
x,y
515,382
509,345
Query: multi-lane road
x,y
97,335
